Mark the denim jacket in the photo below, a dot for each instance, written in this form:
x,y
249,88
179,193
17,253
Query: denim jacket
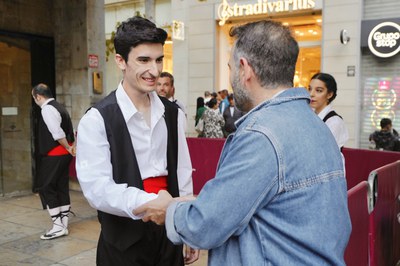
x,y
279,196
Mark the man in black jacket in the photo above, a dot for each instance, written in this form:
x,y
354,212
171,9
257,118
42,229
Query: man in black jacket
x,y
387,138
231,114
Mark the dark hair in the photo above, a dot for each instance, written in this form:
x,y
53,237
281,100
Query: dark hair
x,y
214,95
135,31
43,90
212,102
230,97
169,75
385,122
330,83
200,102
270,50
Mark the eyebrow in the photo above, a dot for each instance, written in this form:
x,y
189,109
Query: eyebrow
x,y
148,57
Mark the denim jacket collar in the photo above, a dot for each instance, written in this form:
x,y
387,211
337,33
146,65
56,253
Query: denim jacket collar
x,y
286,95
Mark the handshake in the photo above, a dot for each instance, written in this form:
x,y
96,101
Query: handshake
x,y
156,209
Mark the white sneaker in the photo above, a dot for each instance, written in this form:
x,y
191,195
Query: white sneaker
x,y
55,234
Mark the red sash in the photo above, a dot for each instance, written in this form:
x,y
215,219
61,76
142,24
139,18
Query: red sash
x,y
58,151
155,184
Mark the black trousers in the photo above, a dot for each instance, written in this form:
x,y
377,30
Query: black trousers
x,y
154,249
53,180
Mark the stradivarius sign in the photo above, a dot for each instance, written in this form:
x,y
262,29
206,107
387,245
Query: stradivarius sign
x,y
384,39
261,7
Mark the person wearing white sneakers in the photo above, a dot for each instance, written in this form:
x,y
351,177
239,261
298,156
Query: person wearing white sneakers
x,y
55,145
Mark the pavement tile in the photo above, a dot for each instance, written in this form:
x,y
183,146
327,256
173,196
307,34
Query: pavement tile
x,y
22,221
11,231
14,258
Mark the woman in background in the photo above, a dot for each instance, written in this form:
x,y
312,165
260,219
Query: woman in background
x,y
323,91
200,108
213,121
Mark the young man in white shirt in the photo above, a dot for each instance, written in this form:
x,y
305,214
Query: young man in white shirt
x,y
131,145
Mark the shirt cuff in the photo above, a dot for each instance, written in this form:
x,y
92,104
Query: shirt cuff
x,y
170,225
142,197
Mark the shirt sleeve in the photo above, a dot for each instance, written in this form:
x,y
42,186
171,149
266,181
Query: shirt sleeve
x,y
184,168
338,129
52,119
94,171
248,170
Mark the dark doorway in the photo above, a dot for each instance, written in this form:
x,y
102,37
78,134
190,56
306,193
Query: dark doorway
x,y
25,60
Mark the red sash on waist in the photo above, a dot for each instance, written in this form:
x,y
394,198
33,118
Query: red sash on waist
x,y
58,151
155,184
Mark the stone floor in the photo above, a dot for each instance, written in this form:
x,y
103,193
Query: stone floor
x,y
22,221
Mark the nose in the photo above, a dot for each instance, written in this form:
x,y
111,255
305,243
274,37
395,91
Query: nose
x,y
154,69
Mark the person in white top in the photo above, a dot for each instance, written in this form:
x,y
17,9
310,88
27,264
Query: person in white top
x,y
130,146
323,91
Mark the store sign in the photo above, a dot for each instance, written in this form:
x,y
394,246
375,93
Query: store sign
x,y
384,39
226,11
93,61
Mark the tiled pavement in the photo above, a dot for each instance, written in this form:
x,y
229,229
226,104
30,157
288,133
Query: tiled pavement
x,y
22,221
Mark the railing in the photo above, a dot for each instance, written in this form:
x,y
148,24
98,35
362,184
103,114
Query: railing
x,y
356,253
360,162
374,206
385,215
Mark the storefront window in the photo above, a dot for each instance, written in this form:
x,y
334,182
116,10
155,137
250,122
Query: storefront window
x,y
308,32
306,29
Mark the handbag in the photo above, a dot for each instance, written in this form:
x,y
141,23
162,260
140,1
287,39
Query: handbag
x,y
200,126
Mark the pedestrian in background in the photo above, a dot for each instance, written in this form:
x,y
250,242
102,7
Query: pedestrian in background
x,y
200,108
166,88
387,138
231,115
323,91
56,148
213,121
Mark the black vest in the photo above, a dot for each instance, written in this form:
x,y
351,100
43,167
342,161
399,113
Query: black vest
x,y
123,232
46,141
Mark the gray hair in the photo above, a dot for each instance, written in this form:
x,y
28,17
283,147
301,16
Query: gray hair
x,y
270,49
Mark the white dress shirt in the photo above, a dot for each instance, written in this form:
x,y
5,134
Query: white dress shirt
x,y
336,125
52,119
93,158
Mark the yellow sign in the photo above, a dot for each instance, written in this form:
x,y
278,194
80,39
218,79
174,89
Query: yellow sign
x,y
225,11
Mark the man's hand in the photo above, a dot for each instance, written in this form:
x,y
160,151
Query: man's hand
x,y
191,255
155,210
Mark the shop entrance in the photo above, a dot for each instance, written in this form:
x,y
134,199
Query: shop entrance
x,y
307,30
23,62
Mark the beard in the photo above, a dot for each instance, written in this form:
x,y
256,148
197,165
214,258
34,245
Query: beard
x,y
240,94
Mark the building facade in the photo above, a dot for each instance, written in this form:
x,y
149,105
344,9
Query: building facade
x,y
330,36
62,43
54,42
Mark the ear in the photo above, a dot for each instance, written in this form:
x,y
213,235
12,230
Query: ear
x,y
330,95
120,62
246,70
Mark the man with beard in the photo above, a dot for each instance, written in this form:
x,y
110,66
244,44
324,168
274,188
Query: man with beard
x,y
279,196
